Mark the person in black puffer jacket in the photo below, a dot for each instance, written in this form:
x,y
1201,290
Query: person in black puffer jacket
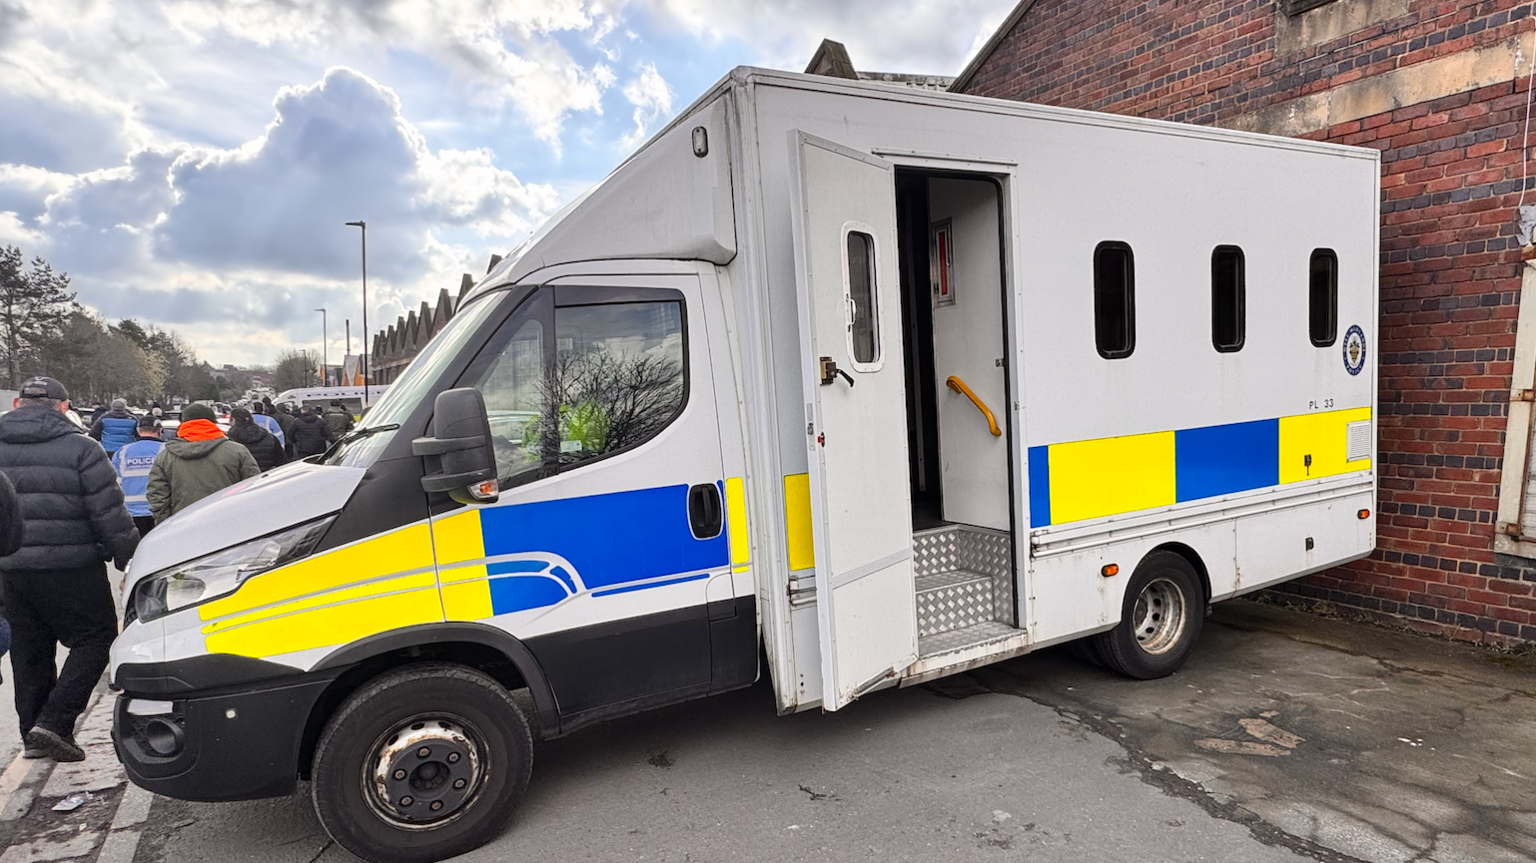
x,y
116,428
56,588
263,444
308,434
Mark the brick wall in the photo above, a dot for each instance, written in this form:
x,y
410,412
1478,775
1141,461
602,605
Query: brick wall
x,y
1450,266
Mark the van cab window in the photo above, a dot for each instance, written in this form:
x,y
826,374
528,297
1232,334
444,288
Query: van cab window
x,y
611,378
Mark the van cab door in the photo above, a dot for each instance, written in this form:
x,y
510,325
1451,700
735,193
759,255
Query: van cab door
x,y
608,541
844,214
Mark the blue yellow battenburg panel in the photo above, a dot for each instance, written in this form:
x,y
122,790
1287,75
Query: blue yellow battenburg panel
x,y
606,544
1110,476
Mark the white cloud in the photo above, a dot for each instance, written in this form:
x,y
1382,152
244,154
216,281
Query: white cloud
x,y
338,150
919,36
505,52
652,99
252,236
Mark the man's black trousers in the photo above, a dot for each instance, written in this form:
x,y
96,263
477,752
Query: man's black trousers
x,y
46,608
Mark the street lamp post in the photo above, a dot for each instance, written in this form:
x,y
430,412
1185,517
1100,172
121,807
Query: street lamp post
x,y
325,346
364,226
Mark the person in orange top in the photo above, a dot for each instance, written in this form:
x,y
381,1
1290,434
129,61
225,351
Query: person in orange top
x,y
198,463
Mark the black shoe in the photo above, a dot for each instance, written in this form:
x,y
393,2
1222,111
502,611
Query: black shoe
x,y
56,745
33,752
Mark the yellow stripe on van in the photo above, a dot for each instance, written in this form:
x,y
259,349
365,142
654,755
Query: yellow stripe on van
x,y
458,537
736,517
797,521
333,624
1322,436
467,600
1101,477
403,550
347,594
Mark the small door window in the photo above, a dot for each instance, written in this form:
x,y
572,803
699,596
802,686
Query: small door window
x,y
1114,300
575,383
1323,297
861,293
1228,299
617,378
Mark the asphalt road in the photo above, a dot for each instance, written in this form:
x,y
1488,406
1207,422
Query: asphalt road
x,y
903,775
1286,737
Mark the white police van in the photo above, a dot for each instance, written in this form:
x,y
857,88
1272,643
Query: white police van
x,y
353,398
878,384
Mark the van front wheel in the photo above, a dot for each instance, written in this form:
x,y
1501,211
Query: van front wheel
x,y
422,763
1160,621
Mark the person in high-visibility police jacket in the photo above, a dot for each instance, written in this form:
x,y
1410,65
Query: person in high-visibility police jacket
x,y
132,463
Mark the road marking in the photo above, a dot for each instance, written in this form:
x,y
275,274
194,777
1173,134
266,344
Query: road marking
x,y
10,780
119,847
133,809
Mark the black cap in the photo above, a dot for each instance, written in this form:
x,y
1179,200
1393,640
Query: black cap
x,y
149,421
43,388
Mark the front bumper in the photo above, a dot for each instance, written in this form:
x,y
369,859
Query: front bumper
x,y
237,745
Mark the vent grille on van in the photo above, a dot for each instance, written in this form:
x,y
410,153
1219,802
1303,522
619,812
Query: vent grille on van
x,y
1359,445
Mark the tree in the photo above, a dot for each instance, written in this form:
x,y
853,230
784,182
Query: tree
x,y
134,332
99,363
294,369
34,305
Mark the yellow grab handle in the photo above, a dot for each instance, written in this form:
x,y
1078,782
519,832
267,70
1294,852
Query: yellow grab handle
x,y
959,386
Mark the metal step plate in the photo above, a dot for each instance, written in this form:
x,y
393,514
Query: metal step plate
x,y
960,639
952,600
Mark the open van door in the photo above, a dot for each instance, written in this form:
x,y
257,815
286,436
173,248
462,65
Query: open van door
x,y
844,212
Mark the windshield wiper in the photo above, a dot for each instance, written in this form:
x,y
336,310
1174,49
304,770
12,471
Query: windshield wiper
x,y
359,434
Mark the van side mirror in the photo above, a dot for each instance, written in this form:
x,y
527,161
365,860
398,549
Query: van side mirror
x,y
461,444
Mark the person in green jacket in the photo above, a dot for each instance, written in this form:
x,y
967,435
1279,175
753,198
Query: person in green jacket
x,y
199,462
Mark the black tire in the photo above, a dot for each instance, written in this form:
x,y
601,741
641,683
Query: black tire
x,y
1086,651
440,713
1165,602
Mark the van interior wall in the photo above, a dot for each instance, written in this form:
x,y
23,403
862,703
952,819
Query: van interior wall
x,y
917,347
968,344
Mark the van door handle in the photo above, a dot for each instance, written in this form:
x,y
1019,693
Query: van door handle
x,y
706,515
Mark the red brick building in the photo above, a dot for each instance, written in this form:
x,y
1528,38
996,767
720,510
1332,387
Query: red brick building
x,y
1440,88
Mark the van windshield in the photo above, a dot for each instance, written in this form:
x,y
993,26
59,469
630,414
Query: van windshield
x,y
418,382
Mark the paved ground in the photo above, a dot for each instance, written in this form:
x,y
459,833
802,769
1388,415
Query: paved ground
x,y
1288,737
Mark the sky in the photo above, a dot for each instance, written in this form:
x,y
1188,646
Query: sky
x,y
191,163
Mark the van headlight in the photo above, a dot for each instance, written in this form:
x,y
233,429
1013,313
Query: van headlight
x,y
222,572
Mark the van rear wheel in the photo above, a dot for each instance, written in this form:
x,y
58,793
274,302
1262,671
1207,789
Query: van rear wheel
x,y
422,763
1160,621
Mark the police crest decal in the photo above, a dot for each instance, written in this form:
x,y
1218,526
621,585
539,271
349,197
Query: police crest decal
x,y
1354,349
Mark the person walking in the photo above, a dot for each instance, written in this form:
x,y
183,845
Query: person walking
x,y
259,416
132,464
309,434
198,463
265,447
338,419
12,529
115,428
56,589
285,422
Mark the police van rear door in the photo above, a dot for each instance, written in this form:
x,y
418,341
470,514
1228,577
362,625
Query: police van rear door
x,y
844,215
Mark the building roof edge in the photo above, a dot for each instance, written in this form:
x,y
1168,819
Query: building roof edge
x,y
1008,24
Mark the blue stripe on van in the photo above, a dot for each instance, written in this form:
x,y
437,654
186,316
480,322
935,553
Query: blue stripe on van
x,y
1039,486
1218,460
609,539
